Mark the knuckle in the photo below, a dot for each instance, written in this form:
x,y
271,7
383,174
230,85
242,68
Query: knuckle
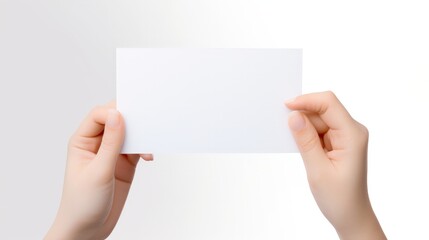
x,y
363,130
360,134
96,109
330,95
332,98
111,104
72,141
327,99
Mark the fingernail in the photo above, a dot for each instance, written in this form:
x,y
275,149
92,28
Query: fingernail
x,y
286,102
112,118
296,121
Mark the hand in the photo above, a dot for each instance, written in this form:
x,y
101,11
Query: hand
x,y
334,149
97,178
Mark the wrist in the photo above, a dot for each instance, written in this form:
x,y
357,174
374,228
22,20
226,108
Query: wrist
x,y
65,230
59,231
366,226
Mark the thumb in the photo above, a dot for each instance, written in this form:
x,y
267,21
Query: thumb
x,y
111,144
308,141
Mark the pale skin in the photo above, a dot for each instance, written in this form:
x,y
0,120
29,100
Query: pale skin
x,y
333,147
97,179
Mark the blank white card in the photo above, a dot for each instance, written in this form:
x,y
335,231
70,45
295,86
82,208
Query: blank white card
x,y
214,100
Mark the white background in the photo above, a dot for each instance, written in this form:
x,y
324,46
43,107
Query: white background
x,y
57,62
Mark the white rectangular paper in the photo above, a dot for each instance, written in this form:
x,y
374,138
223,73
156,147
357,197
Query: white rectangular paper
x,y
214,100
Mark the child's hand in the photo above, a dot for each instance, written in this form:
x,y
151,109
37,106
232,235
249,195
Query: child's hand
x,y
334,149
97,178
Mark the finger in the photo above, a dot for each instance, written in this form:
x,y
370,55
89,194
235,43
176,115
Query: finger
x,y
325,104
308,141
126,166
111,104
111,143
317,122
327,141
93,124
133,159
147,156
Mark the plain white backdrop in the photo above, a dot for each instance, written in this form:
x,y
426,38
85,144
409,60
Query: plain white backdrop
x,y
57,61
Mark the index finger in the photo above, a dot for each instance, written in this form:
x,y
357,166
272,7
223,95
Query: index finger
x,y
93,124
326,105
